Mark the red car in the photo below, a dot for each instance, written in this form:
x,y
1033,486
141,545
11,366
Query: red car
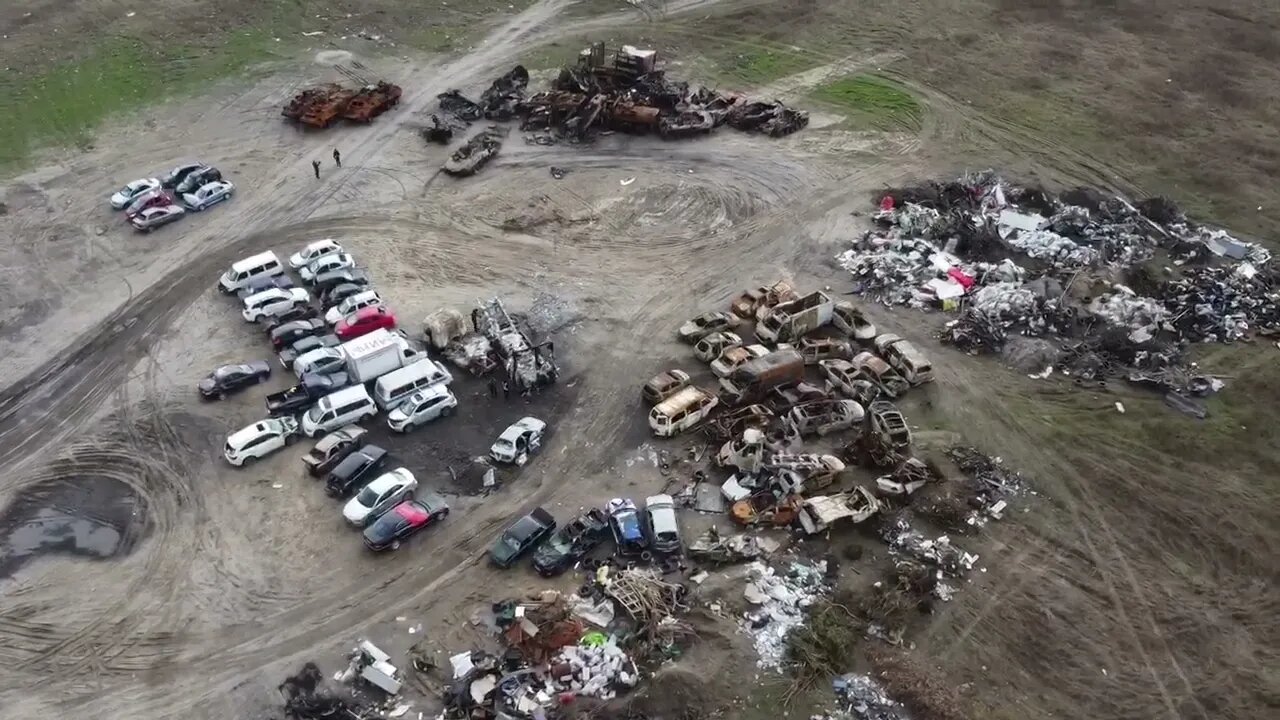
x,y
148,199
365,321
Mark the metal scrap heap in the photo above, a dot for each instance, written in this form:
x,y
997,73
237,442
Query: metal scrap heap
x,y
622,90
1020,261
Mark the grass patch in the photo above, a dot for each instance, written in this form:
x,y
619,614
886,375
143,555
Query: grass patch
x,y
873,101
63,105
761,65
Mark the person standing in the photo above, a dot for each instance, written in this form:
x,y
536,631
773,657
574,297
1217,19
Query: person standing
x,y
315,165
337,157
493,388
506,390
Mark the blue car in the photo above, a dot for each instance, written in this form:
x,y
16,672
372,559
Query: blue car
x,y
624,521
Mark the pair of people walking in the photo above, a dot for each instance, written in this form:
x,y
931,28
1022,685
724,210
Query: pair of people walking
x,y
337,160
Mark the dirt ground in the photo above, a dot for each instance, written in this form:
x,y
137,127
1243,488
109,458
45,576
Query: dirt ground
x,y
1141,582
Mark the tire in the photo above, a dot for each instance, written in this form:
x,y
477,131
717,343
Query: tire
x,y
447,412
444,513
222,395
249,460
290,439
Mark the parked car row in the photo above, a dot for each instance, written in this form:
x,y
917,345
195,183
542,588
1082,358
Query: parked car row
x,y
149,203
635,533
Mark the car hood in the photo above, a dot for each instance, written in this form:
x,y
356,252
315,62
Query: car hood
x,y
207,384
397,415
353,511
380,532
332,315
296,260
501,551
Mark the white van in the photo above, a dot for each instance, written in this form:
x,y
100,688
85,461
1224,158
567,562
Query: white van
x,y
243,271
335,410
394,387
681,411
273,302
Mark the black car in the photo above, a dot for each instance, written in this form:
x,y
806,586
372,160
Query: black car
x,y
227,379
426,508
197,179
354,470
333,278
306,393
338,293
298,312
571,543
523,535
258,284
306,344
291,332
178,174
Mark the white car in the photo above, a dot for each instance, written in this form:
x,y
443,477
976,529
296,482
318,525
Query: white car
x,y
350,304
272,302
209,194
385,492
321,361
663,527
259,439
328,263
313,252
516,442
154,217
422,407
126,194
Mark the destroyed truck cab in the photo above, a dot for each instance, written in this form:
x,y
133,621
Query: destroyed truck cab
x,y
681,411
755,378
902,356
791,320
754,304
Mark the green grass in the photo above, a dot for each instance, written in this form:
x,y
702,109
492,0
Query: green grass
x,y
759,66
65,104
873,101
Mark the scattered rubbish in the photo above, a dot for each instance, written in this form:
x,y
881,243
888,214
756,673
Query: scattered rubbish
x,y
783,600
864,698
627,182
711,547
1018,262
1119,407
558,172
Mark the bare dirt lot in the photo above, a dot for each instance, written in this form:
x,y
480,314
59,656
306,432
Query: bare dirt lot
x,y
1141,583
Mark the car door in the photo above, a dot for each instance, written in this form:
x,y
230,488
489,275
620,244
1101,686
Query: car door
x,y
236,379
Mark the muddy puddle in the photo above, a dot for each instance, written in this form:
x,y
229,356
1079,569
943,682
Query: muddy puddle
x,y
91,517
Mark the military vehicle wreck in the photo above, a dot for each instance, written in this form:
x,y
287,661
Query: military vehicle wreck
x,y
478,151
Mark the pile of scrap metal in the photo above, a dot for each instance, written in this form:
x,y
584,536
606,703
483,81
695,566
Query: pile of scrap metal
x,y
495,341
527,365
713,548
1018,261
625,90
500,101
476,153
440,131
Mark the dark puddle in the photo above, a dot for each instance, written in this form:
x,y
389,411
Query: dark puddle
x,y
93,517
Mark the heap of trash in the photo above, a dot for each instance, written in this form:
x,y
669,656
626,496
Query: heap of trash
x,y
1013,260
623,90
780,602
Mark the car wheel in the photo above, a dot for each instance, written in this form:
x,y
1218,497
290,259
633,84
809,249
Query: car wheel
x,y
447,411
222,395
290,439
262,378
249,460
444,513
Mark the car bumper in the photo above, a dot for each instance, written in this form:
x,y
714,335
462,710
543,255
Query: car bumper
x,y
232,459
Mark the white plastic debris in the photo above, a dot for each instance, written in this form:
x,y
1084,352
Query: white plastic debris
x,y
783,600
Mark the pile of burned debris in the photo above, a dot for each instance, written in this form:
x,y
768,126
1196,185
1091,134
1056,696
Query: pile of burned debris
x,y
1117,286
623,90
493,342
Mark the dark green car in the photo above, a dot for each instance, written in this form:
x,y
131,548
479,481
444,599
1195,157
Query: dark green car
x,y
522,536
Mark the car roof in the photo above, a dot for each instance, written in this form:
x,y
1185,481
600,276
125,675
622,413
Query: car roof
x,y
244,435
314,355
371,311
412,511
385,481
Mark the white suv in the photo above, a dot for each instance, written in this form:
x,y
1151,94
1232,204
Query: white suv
x,y
363,299
422,407
275,301
259,439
